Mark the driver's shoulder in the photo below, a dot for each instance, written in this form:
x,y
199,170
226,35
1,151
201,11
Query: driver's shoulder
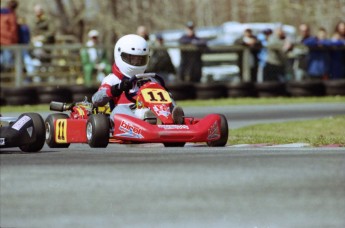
x,y
111,79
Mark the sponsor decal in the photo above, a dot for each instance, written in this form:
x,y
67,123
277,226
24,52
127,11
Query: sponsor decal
x,y
213,131
21,122
2,141
161,110
173,127
129,130
61,131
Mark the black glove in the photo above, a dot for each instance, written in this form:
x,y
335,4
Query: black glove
x,y
125,85
117,89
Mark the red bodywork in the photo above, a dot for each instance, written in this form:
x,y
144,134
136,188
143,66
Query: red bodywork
x,y
129,129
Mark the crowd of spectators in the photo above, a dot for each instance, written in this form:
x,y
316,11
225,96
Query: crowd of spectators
x,y
270,50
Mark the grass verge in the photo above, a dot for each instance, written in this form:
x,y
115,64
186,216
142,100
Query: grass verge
x,y
319,132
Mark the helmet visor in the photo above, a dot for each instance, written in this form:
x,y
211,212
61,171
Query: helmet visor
x,y
134,60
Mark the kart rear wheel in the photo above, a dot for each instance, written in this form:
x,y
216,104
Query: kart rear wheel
x,y
97,131
50,130
174,144
38,133
224,132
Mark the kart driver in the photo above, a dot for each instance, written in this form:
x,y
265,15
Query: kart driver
x,y
131,54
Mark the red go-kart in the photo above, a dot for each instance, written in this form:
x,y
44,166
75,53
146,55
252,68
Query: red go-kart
x,y
88,124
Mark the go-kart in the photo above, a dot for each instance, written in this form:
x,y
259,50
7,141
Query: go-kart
x,y
26,132
88,124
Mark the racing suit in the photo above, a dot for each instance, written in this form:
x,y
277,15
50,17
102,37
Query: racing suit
x,y
106,93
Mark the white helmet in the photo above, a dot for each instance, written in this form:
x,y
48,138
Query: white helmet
x,y
131,55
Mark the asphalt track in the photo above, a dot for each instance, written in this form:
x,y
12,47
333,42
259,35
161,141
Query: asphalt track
x,y
195,186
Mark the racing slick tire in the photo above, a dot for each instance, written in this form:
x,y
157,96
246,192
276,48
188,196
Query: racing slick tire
x,y
38,133
174,144
224,132
50,130
97,131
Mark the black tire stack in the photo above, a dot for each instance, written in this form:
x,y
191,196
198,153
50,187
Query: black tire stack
x,y
305,88
52,93
19,96
241,89
335,87
270,89
181,91
210,91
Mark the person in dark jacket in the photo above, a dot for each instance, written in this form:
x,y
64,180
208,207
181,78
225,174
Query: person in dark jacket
x,y
251,41
160,61
318,57
191,64
337,53
8,34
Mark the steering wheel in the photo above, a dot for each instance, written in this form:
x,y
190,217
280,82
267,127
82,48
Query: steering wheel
x,y
130,96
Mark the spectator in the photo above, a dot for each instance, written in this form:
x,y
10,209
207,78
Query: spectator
x,y
8,34
337,55
249,40
276,62
43,32
191,64
318,57
25,38
339,31
142,31
301,53
262,55
94,59
160,61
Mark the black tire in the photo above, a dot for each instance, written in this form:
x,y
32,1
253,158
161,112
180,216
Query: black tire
x,y
97,131
174,144
50,93
224,133
241,89
181,91
305,88
335,87
20,96
270,89
50,130
38,133
210,91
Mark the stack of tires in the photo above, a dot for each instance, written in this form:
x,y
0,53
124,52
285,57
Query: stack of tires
x,y
335,87
270,89
19,96
241,89
305,88
182,91
52,93
210,91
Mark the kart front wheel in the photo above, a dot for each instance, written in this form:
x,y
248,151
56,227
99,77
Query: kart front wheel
x,y
38,133
97,131
50,130
224,132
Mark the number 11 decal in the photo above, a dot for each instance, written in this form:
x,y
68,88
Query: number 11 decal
x,y
153,98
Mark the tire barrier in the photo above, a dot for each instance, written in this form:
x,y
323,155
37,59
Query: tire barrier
x,y
210,91
52,93
20,96
180,91
241,89
270,89
305,88
335,87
